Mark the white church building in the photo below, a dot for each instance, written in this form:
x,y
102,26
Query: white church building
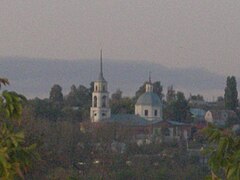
x,y
148,106
100,98
147,121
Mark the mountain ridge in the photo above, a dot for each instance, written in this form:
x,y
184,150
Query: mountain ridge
x,y
34,77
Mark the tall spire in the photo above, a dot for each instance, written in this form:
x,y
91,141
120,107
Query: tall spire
x,y
101,78
149,77
101,72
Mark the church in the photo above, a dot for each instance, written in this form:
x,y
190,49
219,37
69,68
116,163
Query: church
x,y
146,122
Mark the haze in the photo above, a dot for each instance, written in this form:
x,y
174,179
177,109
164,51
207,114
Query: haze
x,y
174,33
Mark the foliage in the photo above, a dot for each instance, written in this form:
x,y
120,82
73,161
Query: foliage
x,y
197,97
78,97
117,95
231,93
56,94
157,88
177,107
15,155
74,106
224,153
170,94
122,105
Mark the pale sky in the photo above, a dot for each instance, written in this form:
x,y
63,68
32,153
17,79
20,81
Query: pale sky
x,y
174,33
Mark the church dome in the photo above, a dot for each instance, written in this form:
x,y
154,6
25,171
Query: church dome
x,y
150,99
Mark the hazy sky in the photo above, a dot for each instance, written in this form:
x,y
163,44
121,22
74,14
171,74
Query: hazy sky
x,y
175,33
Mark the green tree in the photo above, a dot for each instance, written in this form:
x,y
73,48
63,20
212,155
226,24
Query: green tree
x,y
15,155
56,95
231,94
124,105
224,153
171,95
117,95
157,88
181,108
177,107
71,99
197,97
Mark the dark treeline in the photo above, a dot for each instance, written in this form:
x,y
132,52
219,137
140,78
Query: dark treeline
x,y
76,104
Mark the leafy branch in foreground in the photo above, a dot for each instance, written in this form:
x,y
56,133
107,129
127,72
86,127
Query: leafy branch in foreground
x,y
15,155
224,153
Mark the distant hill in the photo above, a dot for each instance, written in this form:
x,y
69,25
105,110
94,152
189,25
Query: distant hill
x,y
35,77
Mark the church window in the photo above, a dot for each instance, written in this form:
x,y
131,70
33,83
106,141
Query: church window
x,y
95,114
96,88
104,101
155,112
146,112
95,101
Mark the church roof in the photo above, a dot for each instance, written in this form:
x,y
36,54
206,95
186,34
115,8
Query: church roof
x,y
131,119
149,98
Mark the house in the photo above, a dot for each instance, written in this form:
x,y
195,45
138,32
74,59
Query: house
x,y
169,131
198,114
219,117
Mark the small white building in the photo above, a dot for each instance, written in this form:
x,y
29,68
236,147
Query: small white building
x,y
149,105
219,117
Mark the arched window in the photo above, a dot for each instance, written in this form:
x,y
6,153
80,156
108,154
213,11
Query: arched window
x,y
104,101
95,88
95,101
146,112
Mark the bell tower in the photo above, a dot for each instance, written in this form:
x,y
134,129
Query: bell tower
x,y
100,109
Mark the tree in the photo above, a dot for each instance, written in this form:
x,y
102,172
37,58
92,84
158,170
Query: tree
x,y
177,106
56,95
77,103
117,95
124,105
157,88
224,153
180,107
171,95
231,94
56,102
197,97
15,155
71,99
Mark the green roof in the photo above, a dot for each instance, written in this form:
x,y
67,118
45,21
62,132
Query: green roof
x,y
131,119
149,98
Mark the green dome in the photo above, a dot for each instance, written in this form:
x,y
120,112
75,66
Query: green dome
x,y
150,99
